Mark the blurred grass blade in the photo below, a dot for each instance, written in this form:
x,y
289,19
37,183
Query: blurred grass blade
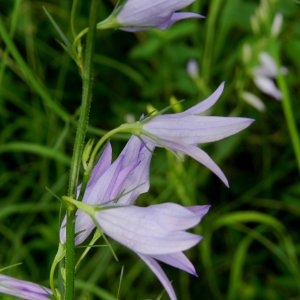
x,y
35,149
29,76
96,290
66,44
248,216
121,67
237,265
14,20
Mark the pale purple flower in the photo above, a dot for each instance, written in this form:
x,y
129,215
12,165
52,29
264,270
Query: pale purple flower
x,y
182,132
157,232
121,181
265,74
192,68
23,289
253,100
277,24
138,15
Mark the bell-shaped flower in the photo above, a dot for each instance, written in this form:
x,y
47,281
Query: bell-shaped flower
x,y
121,181
154,233
23,289
265,74
138,15
182,132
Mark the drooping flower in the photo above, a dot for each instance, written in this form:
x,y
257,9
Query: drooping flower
x,y
23,289
154,233
138,15
121,181
264,75
182,132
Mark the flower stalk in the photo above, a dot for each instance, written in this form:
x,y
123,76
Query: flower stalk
x,y
289,115
78,149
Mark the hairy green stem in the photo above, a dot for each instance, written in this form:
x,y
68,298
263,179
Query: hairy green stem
x,y
78,148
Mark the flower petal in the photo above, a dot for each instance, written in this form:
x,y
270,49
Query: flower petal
x,y
199,155
123,181
23,289
192,68
200,210
205,104
132,149
253,100
160,274
277,24
172,216
102,165
137,181
177,260
195,129
133,163
197,109
150,230
268,66
267,86
106,189
177,17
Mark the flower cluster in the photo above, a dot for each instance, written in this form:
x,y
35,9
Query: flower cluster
x,y
264,77
266,73
156,233
257,57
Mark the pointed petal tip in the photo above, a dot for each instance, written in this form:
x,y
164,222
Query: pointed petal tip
x,y
221,175
225,181
195,274
247,122
206,208
220,88
201,209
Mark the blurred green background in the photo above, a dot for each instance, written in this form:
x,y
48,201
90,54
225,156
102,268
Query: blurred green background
x,y
251,235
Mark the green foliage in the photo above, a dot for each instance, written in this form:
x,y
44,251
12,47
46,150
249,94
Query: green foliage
x,y
251,242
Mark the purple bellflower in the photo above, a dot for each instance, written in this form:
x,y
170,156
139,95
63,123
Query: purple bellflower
x,y
23,289
121,181
154,233
182,132
138,15
158,232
